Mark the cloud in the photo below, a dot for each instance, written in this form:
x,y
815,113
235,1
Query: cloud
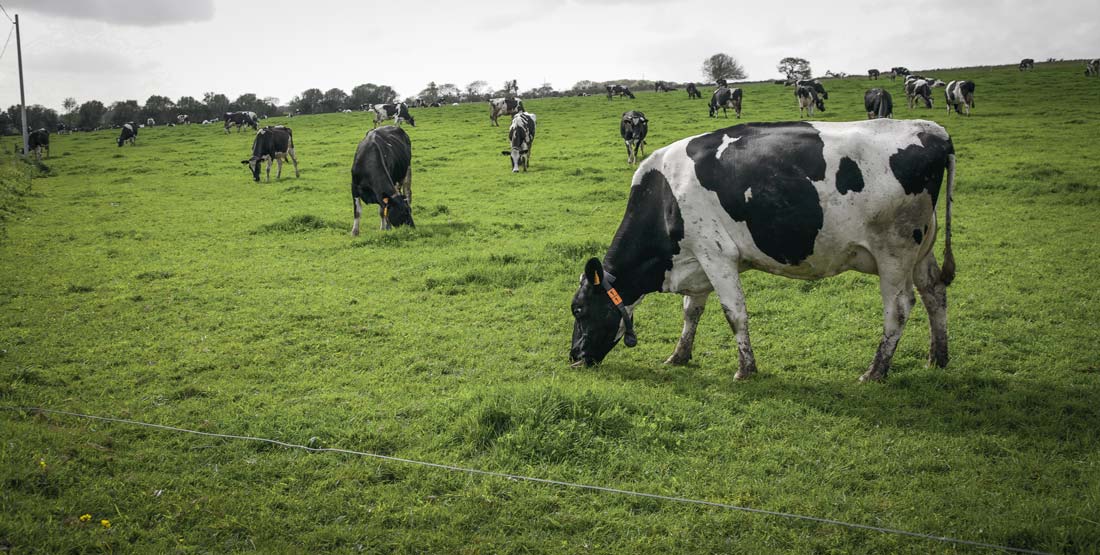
x,y
142,13
91,62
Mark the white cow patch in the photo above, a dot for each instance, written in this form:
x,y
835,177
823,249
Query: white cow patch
x,y
726,142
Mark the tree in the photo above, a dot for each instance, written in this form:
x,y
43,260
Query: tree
x,y
192,108
70,105
449,92
124,111
586,86
160,108
369,93
723,66
476,90
795,69
309,102
38,117
249,102
216,104
90,114
334,100
430,93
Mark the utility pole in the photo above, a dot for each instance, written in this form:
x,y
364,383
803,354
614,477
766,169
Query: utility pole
x,y
22,96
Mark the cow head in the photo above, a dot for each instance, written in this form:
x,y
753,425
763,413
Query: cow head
x,y
254,165
600,319
519,158
408,117
820,102
397,211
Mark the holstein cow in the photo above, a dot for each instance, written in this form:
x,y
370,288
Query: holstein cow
x,y
808,99
960,96
633,128
918,89
798,199
272,144
693,92
39,140
896,71
63,129
1027,63
1092,67
879,103
619,90
399,112
504,107
520,135
661,86
873,74
725,98
150,122
240,119
183,118
129,133
382,174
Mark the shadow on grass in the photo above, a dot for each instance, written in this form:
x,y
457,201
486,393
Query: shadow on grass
x,y
402,235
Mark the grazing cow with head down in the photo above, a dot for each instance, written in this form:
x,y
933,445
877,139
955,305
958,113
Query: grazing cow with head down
x,y
1092,67
240,119
382,174
808,99
693,92
618,90
183,119
661,86
960,96
129,133
873,74
896,71
399,112
272,144
633,128
504,107
1027,63
520,135
39,140
725,98
918,89
879,103
800,200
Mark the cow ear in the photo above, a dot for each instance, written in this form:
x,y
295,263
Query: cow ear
x,y
245,161
505,152
593,270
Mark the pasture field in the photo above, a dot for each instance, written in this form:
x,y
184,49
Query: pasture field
x,y
159,283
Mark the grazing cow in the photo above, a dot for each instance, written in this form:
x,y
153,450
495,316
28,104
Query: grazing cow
x,y
520,135
399,112
1027,63
873,74
39,140
382,174
918,89
1092,67
896,71
129,133
63,129
272,143
240,119
816,85
504,107
435,104
879,103
183,118
798,199
693,92
725,98
633,128
150,122
960,96
619,90
808,99
661,86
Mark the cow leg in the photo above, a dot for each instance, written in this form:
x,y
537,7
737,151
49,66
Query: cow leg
x,y
933,293
279,172
269,161
896,287
629,152
405,187
725,277
294,159
693,310
355,211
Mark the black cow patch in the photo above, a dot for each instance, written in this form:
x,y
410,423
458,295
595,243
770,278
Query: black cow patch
x,y
848,177
912,169
647,239
776,164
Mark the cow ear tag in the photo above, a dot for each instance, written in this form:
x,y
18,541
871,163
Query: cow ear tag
x,y
385,207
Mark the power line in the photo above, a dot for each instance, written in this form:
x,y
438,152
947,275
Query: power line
x,y
516,477
6,13
7,42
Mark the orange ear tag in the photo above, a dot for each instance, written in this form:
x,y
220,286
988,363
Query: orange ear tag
x,y
385,207
597,279
615,298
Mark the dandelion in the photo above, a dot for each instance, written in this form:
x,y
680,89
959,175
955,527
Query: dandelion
x,y
106,523
85,517
42,463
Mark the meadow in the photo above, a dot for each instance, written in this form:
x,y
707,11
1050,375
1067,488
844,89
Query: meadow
x,y
160,283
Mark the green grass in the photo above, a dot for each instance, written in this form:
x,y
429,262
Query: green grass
x,y
159,283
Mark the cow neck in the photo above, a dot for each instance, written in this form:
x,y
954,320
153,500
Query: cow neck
x,y
634,269
385,170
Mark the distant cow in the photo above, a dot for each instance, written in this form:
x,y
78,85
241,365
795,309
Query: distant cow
x,y
39,140
918,89
816,85
504,107
693,92
808,99
960,96
272,144
62,128
661,86
1092,67
725,98
896,71
399,112
183,118
129,133
520,135
150,122
240,119
879,104
1027,63
633,128
873,74
618,90
382,174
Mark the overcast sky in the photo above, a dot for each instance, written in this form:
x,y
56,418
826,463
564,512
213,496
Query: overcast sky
x,y
130,49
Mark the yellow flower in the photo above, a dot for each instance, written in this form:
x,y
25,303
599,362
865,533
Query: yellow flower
x,y
106,523
42,463
85,517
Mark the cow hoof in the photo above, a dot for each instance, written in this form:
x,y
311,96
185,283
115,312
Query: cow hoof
x,y
742,375
678,360
870,376
939,360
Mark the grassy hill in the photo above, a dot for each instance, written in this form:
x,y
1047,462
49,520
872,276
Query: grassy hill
x,y
159,283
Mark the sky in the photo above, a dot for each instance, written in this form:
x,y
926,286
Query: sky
x,y
112,50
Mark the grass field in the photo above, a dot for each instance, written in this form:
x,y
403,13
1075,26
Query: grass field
x,y
159,283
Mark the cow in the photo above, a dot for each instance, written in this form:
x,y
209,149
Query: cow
x,y
504,107
1027,63
808,99
272,144
725,98
1092,68
150,122
382,174
693,92
399,112
520,135
803,200
129,133
661,86
39,140
959,95
618,90
435,105
816,85
873,74
633,128
240,119
918,89
63,129
183,119
879,103
896,71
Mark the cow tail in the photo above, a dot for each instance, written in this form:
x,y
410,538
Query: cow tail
x,y
947,273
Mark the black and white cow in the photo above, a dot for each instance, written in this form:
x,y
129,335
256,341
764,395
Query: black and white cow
x,y
63,129
800,200
37,141
618,90
129,133
661,86
1092,67
183,119
504,107
382,174
633,128
150,122
960,96
873,74
1027,63
693,91
272,144
240,119
918,89
399,112
725,98
879,103
808,99
520,135
816,85
896,71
